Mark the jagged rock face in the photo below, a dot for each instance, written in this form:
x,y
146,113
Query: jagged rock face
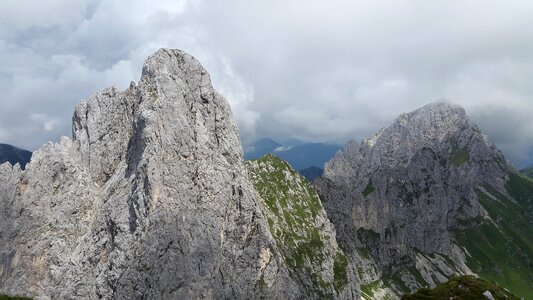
x,y
150,199
305,237
401,193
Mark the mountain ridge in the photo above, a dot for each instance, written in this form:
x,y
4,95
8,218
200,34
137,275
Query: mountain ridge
x,y
406,194
149,199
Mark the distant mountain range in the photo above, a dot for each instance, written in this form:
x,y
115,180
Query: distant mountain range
x,y
14,155
311,173
300,155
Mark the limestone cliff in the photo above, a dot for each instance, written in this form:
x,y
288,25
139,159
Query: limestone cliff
x,y
150,199
406,201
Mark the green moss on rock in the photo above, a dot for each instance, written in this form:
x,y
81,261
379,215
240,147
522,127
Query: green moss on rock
x,y
294,216
340,266
367,290
460,156
464,287
368,189
7,297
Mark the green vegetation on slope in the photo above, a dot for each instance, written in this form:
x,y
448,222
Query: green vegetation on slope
x,y
464,287
367,290
521,188
528,172
7,297
368,189
340,264
501,249
460,156
293,208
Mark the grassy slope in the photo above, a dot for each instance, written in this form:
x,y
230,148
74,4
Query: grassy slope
x,y
501,249
293,207
464,287
528,172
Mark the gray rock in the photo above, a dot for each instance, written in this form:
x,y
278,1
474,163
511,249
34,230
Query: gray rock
x,y
402,192
150,199
488,295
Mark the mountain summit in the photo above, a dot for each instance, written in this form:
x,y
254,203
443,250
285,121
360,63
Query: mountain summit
x,y
150,199
413,193
440,126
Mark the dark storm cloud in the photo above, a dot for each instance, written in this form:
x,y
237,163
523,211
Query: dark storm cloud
x,y
315,70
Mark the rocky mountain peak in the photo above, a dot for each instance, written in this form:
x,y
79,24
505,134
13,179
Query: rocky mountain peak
x,y
150,199
173,103
403,191
175,65
431,124
435,121
440,127
440,110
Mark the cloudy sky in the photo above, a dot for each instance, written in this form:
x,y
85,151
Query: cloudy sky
x,y
314,70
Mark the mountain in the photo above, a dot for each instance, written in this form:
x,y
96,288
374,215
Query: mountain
x,y
428,198
464,287
311,173
300,226
14,155
299,155
260,148
308,155
151,199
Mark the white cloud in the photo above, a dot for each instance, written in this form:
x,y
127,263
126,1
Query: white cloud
x,y
306,69
48,123
27,14
4,135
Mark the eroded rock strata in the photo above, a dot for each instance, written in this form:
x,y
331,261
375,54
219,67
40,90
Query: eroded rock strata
x,y
409,202
149,199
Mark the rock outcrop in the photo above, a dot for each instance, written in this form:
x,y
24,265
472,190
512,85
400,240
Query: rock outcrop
x,y
150,199
403,199
305,237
